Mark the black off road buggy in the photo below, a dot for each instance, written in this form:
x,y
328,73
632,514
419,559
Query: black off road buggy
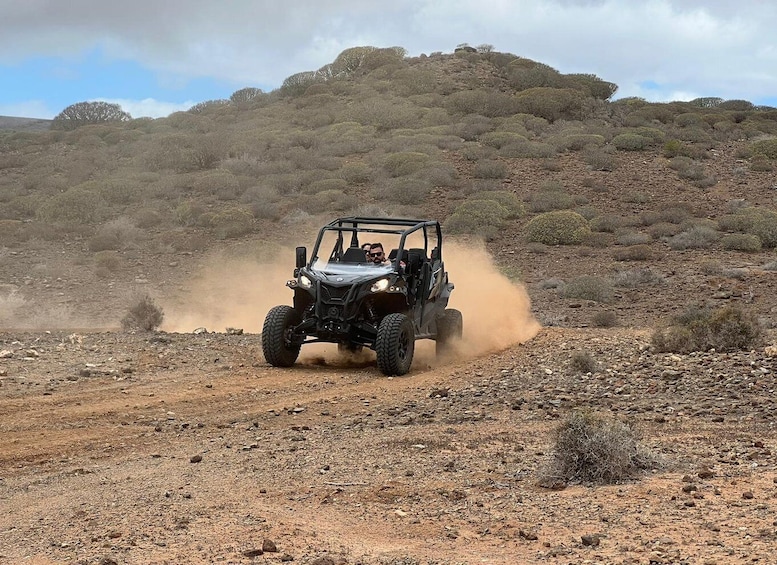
x,y
340,297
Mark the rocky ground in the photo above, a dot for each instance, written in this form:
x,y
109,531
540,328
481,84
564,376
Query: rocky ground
x,y
189,448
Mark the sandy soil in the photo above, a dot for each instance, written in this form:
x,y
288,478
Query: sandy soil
x,y
181,448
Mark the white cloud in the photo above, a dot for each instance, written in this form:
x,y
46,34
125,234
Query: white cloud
x,y
724,48
36,108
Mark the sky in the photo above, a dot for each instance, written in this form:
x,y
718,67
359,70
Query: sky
x,y
158,57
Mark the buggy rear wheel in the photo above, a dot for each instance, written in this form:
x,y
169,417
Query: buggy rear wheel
x,y
395,344
450,328
278,347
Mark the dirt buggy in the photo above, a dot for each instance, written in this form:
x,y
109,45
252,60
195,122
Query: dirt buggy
x,y
341,297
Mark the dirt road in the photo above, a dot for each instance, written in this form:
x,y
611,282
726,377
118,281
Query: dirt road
x,y
182,448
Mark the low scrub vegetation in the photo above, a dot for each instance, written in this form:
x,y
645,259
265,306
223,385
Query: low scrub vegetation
x,y
560,227
598,449
143,315
729,328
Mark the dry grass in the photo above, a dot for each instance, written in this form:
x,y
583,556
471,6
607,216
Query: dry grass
x,y
591,448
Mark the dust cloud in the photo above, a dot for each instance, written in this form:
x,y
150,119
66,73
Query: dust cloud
x,y
496,311
238,292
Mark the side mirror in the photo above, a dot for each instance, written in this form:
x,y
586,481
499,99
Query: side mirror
x,y
302,257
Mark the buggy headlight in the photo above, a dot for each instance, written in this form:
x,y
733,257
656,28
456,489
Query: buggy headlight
x,y
379,286
305,282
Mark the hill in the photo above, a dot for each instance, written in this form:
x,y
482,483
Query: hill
x,y
604,220
676,199
23,124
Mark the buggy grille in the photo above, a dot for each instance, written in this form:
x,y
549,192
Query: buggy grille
x,y
334,293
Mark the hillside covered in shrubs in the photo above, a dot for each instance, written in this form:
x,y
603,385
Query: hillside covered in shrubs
x,y
497,146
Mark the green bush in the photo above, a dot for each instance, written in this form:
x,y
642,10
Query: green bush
x,y
72,208
629,238
597,449
729,328
507,199
484,218
527,150
741,242
675,148
765,147
761,163
405,163
578,141
765,227
560,227
551,104
356,173
490,103
588,287
630,142
499,139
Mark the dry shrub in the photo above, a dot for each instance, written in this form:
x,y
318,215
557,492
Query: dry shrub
x,y
599,159
143,315
741,242
765,147
633,238
698,237
405,163
499,139
120,233
329,201
507,199
106,263
231,222
75,207
729,328
588,287
326,184
404,190
527,150
356,173
598,240
605,319
761,164
630,142
583,362
592,448
634,278
550,197
560,227
633,253
490,169
663,229
484,218
609,223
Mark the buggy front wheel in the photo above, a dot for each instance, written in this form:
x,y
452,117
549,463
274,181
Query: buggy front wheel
x,y
278,345
395,344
